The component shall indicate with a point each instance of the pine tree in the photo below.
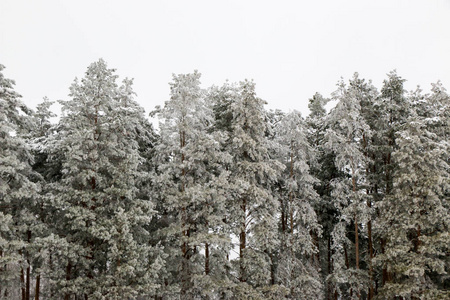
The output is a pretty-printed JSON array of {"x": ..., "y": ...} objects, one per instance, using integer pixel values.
[
  {"x": 298, "y": 266},
  {"x": 102, "y": 243},
  {"x": 415, "y": 219},
  {"x": 326, "y": 172},
  {"x": 347, "y": 138},
  {"x": 17, "y": 191},
  {"x": 252, "y": 209},
  {"x": 37, "y": 137},
  {"x": 46, "y": 242},
  {"x": 394, "y": 109},
  {"x": 390, "y": 111},
  {"x": 191, "y": 182}
]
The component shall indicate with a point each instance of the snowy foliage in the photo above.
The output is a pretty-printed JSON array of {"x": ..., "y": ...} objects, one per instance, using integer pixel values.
[{"x": 225, "y": 200}]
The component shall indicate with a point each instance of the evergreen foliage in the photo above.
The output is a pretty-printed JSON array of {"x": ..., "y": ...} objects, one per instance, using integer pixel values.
[
  {"x": 104, "y": 250},
  {"x": 191, "y": 183},
  {"x": 18, "y": 190},
  {"x": 415, "y": 214},
  {"x": 225, "y": 200},
  {"x": 298, "y": 266}
]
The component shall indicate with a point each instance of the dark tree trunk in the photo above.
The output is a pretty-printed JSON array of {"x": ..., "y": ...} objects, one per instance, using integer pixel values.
[
  {"x": 68, "y": 274},
  {"x": 27, "y": 282},
  {"x": 371, "y": 288},
  {"x": 329, "y": 267},
  {"x": 206, "y": 258},
  {"x": 356, "y": 244},
  {"x": 22, "y": 283},
  {"x": 37, "y": 291},
  {"x": 272, "y": 269},
  {"x": 242, "y": 242},
  {"x": 50, "y": 262}
]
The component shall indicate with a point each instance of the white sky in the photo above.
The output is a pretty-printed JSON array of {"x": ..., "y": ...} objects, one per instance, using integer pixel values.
[{"x": 290, "y": 48}]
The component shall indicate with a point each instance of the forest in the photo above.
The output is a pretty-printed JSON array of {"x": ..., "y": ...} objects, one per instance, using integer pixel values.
[{"x": 224, "y": 199}]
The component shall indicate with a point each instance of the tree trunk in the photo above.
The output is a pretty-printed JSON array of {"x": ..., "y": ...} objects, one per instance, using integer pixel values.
[
  {"x": 22, "y": 282},
  {"x": 329, "y": 267},
  {"x": 27, "y": 282},
  {"x": 357, "y": 251},
  {"x": 272, "y": 269},
  {"x": 356, "y": 243},
  {"x": 184, "y": 255},
  {"x": 283, "y": 217},
  {"x": 38, "y": 287},
  {"x": 50, "y": 262},
  {"x": 242, "y": 240},
  {"x": 68, "y": 270},
  {"x": 206, "y": 258},
  {"x": 371, "y": 288}
]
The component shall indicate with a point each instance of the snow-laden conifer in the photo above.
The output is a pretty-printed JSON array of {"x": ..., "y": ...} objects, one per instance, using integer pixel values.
[
  {"x": 105, "y": 251},
  {"x": 325, "y": 171},
  {"x": 18, "y": 191},
  {"x": 253, "y": 208},
  {"x": 415, "y": 216},
  {"x": 347, "y": 137},
  {"x": 298, "y": 267},
  {"x": 191, "y": 182}
]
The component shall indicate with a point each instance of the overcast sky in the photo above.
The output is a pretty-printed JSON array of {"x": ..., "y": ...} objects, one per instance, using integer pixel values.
[{"x": 291, "y": 49}]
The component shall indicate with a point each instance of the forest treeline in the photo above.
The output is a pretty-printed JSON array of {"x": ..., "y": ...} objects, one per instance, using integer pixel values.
[{"x": 226, "y": 200}]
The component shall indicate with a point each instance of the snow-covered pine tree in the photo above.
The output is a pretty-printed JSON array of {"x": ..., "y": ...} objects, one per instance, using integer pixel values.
[
  {"x": 17, "y": 192},
  {"x": 191, "y": 181},
  {"x": 253, "y": 208},
  {"x": 416, "y": 219},
  {"x": 104, "y": 248},
  {"x": 47, "y": 243},
  {"x": 37, "y": 137},
  {"x": 435, "y": 108},
  {"x": 390, "y": 111},
  {"x": 369, "y": 101},
  {"x": 347, "y": 137},
  {"x": 394, "y": 110},
  {"x": 298, "y": 267},
  {"x": 325, "y": 171}
]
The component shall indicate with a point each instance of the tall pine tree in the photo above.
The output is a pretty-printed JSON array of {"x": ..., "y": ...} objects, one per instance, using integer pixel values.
[
  {"x": 416, "y": 216},
  {"x": 347, "y": 137},
  {"x": 106, "y": 251},
  {"x": 298, "y": 266},
  {"x": 17, "y": 192},
  {"x": 252, "y": 206},
  {"x": 191, "y": 180}
]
